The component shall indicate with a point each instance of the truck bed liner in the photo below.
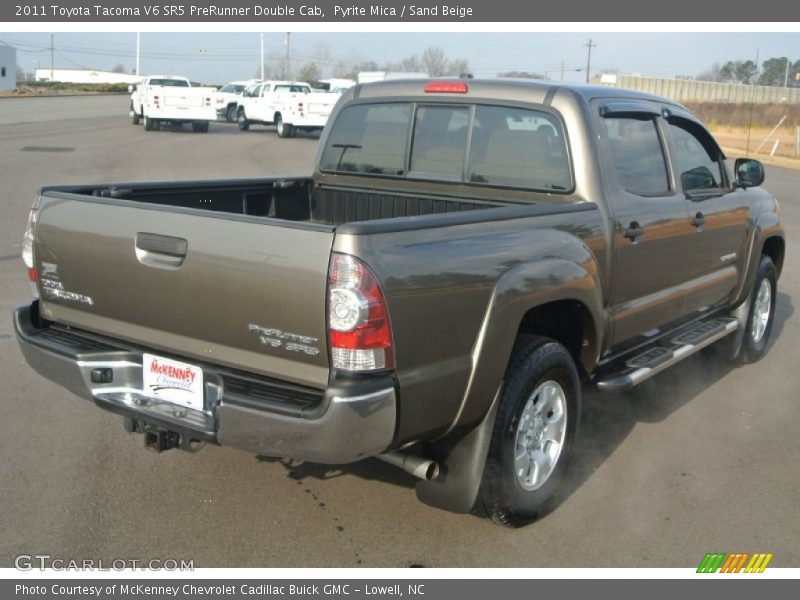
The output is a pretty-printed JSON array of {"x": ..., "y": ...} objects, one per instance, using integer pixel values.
[{"x": 288, "y": 199}]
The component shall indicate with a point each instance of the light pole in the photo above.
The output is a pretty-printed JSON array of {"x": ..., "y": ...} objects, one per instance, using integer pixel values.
[
  {"x": 589, "y": 45},
  {"x": 286, "y": 60},
  {"x": 786, "y": 75},
  {"x": 262, "y": 56},
  {"x": 138, "y": 46}
]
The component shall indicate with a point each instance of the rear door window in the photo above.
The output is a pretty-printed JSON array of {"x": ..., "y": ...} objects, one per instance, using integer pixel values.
[
  {"x": 638, "y": 154},
  {"x": 368, "y": 138}
]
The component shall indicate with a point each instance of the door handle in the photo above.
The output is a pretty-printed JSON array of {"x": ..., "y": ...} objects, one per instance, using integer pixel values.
[
  {"x": 634, "y": 232},
  {"x": 698, "y": 221},
  {"x": 160, "y": 251}
]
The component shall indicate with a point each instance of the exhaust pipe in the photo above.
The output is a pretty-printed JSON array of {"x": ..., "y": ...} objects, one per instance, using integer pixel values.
[{"x": 412, "y": 464}]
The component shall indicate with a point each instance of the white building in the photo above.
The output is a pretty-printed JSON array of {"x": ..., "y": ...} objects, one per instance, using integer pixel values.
[
  {"x": 371, "y": 76},
  {"x": 83, "y": 76},
  {"x": 8, "y": 67}
]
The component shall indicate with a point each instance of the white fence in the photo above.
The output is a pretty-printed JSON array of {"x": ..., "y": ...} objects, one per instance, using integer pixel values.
[
  {"x": 83, "y": 76},
  {"x": 689, "y": 90}
]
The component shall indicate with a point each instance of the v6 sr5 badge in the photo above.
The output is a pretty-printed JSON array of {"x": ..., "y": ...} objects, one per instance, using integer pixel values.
[{"x": 285, "y": 340}]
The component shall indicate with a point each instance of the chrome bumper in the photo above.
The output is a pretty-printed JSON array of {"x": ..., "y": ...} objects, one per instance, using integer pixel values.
[{"x": 352, "y": 421}]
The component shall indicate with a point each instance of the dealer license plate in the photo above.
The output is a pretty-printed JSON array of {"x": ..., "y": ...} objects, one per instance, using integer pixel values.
[{"x": 173, "y": 381}]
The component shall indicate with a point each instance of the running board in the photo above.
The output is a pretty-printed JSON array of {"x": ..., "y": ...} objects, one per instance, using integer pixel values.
[{"x": 635, "y": 372}]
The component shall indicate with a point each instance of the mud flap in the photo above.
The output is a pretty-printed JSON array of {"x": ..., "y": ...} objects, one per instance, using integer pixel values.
[
  {"x": 461, "y": 461},
  {"x": 731, "y": 346}
]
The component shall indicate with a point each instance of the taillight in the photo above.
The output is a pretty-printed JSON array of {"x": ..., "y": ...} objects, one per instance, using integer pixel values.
[
  {"x": 208, "y": 101},
  {"x": 27, "y": 249},
  {"x": 359, "y": 334}
]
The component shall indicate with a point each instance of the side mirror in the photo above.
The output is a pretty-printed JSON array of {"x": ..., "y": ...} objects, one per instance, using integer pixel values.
[{"x": 749, "y": 172}]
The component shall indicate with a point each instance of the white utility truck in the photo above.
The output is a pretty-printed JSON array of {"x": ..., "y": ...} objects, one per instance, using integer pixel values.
[
  {"x": 291, "y": 106},
  {"x": 170, "y": 99},
  {"x": 226, "y": 99}
]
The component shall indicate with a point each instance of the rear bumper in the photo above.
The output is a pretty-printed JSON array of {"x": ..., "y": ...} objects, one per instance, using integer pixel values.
[
  {"x": 310, "y": 121},
  {"x": 182, "y": 116},
  {"x": 350, "y": 421}
]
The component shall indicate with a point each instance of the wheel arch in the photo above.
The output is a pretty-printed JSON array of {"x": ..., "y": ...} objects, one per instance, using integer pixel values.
[
  {"x": 556, "y": 298},
  {"x": 775, "y": 247}
]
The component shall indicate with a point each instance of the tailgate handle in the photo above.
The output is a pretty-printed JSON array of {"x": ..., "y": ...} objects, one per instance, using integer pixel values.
[{"x": 160, "y": 251}]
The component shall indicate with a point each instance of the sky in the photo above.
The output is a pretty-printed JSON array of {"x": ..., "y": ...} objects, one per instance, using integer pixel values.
[{"x": 220, "y": 57}]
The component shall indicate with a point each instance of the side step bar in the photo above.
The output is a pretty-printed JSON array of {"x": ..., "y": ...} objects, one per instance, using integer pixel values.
[{"x": 656, "y": 359}]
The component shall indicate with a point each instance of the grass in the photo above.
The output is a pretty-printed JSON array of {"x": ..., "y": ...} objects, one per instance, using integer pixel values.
[
  {"x": 45, "y": 88},
  {"x": 731, "y": 124}
]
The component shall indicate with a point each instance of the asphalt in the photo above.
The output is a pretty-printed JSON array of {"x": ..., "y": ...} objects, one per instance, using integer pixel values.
[{"x": 702, "y": 458}]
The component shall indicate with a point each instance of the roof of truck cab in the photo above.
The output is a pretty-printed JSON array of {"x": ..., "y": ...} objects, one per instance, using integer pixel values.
[{"x": 501, "y": 89}]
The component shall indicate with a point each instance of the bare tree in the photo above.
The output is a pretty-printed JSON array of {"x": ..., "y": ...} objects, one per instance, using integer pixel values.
[
  {"x": 458, "y": 66},
  {"x": 522, "y": 75},
  {"x": 323, "y": 57},
  {"x": 434, "y": 61},
  {"x": 711, "y": 74},
  {"x": 119, "y": 68},
  {"x": 309, "y": 72},
  {"x": 410, "y": 64}
]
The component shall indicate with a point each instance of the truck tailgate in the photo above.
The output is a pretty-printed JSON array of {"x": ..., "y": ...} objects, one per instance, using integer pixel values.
[
  {"x": 183, "y": 101},
  {"x": 242, "y": 292},
  {"x": 321, "y": 104}
]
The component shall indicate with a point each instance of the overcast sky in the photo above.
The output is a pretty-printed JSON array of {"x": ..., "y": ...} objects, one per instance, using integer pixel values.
[{"x": 220, "y": 57}]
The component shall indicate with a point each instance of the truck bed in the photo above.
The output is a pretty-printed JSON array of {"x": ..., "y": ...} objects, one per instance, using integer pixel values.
[{"x": 293, "y": 199}]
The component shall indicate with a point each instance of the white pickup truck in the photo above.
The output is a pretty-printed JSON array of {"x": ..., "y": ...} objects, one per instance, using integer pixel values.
[
  {"x": 226, "y": 99},
  {"x": 169, "y": 99},
  {"x": 289, "y": 105}
]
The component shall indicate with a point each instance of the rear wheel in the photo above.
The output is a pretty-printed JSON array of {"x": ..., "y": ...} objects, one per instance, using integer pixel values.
[
  {"x": 149, "y": 124},
  {"x": 533, "y": 433},
  {"x": 230, "y": 115},
  {"x": 241, "y": 118},
  {"x": 200, "y": 126},
  {"x": 284, "y": 130}
]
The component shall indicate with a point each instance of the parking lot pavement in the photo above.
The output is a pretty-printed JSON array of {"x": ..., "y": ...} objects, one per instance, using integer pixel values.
[{"x": 702, "y": 458}]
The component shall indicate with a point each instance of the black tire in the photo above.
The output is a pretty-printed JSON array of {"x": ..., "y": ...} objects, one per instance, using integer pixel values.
[
  {"x": 200, "y": 126},
  {"x": 284, "y": 130},
  {"x": 230, "y": 114},
  {"x": 149, "y": 124},
  {"x": 536, "y": 361},
  {"x": 754, "y": 347},
  {"x": 241, "y": 118},
  {"x": 134, "y": 115}
]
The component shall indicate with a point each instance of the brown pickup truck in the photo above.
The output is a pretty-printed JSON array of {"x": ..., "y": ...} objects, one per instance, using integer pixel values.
[{"x": 466, "y": 256}]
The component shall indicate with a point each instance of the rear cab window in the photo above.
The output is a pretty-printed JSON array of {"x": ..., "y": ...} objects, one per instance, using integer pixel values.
[
  {"x": 170, "y": 82},
  {"x": 295, "y": 89},
  {"x": 368, "y": 139},
  {"x": 461, "y": 143}
]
